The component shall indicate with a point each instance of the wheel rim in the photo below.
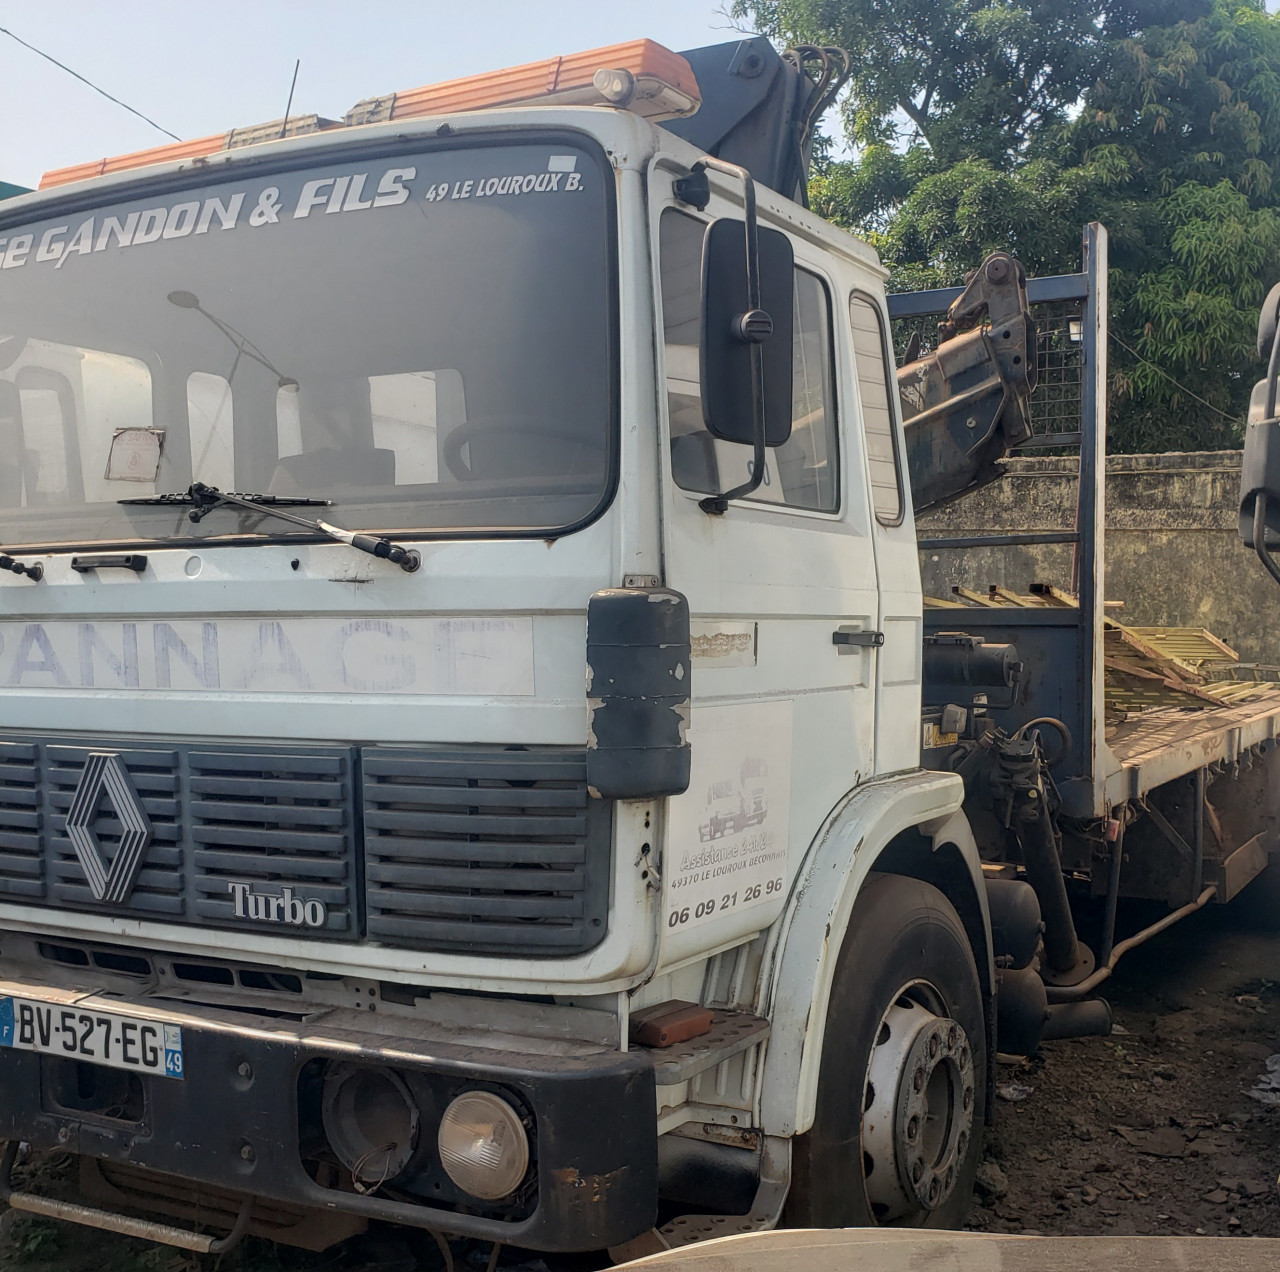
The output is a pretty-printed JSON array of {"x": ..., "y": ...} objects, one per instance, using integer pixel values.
[{"x": 918, "y": 1105}]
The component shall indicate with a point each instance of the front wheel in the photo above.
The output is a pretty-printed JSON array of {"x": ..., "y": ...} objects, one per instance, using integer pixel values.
[{"x": 902, "y": 1086}]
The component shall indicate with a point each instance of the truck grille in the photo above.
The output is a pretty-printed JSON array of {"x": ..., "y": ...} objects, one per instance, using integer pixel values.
[
  {"x": 267, "y": 818},
  {"x": 21, "y": 862},
  {"x": 271, "y": 820},
  {"x": 469, "y": 849},
  {"x": 485, "y": 849}
]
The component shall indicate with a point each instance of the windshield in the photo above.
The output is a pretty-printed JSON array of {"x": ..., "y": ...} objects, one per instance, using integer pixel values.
[{"x": 425, "y": 339}]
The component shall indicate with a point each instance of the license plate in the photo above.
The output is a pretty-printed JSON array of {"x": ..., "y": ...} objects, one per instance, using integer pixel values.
[{"x": 101, "y": 1037}]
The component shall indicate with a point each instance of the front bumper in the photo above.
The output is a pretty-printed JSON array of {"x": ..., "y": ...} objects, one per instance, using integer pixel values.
[{"x": 244, "y": 1118}]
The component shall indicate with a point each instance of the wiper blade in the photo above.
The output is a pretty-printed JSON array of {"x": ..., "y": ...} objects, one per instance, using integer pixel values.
[{"x": 204, "y": 499}]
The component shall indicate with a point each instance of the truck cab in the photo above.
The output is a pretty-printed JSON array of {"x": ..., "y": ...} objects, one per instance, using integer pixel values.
[{"x": 491, "y": 873}]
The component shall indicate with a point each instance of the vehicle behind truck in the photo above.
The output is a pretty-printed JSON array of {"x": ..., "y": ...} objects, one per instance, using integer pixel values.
[{"x": 474, "y": 752}]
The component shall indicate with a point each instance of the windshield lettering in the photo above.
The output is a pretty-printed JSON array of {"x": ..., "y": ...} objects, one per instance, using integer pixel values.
[{"x": 275, "y": 342}]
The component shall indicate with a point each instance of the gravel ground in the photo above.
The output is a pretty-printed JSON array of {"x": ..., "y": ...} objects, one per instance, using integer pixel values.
[{"x": 1153, "y": 1130}]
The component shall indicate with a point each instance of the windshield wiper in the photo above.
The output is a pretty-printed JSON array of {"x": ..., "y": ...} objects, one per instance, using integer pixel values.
[
  {"x": 204, "y": 499},
  {"x": 34, "y": 572}
]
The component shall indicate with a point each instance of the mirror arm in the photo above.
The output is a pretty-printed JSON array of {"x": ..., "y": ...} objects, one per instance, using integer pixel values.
[
  {"x": 1260, "y": 518},
  {"x": 716, "y": 505}
]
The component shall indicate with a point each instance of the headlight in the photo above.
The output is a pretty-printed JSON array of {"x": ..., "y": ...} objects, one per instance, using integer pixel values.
[
  {"x": 483, "y": 1145},
  {"x": 370, "y": 1120}
]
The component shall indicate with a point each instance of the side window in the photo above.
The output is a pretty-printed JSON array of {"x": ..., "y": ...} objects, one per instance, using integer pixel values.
[
  {"x": 875, "y": 383},
  {"x": 806, "y": 461},
  {"x": 804, "y": 471}
]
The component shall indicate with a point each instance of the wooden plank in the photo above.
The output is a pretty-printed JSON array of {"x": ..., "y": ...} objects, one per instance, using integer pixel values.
[
  {"x": 1236, "y": 690},
  {"x": 1051, "y": 595},
  {"x": 1192, "y": 645},
  {"x": 1176, "y": 691},
  {"x": 1149, "y": 736},
  {"x": 1172, "y": 666},
  {"x": 974, "y": 598},
  {"x": 1002, "y": 595}
]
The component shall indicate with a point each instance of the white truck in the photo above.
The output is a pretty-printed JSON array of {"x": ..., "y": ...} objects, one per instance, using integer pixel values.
[{"x": 406, "y": 525}]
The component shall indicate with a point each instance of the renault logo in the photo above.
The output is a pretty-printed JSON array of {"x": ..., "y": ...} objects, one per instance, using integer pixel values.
[{"x": 105, "y": 775}]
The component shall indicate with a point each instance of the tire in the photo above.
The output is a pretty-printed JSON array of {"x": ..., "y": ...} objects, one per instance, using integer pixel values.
[{"x": 904, "y": 979}]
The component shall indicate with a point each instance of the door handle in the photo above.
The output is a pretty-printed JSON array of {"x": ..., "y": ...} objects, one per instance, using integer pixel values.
[
  {"x": 847, "y": 639},
  {"x": 134, "y": 561}
]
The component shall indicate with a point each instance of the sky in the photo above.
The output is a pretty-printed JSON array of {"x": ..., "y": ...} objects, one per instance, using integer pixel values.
[{"x": 198, "y": 69}]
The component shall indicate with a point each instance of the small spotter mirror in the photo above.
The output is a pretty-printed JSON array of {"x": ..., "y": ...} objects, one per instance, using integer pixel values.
[
  {"x": 1267, "y": 321},
  {"x": 1260, "y": 464}
]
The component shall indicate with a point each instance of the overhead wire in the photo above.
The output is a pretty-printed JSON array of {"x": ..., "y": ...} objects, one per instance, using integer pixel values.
[
  {"x": 1235, "y": 419},
  {"x": 62, "y": 67}
]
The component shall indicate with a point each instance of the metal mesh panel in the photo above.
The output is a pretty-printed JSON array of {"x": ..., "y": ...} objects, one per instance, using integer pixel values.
[{"x": 1056, "y": 405}]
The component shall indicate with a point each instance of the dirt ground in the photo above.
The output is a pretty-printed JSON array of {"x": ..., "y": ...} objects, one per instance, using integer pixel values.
[
  {"x": 1153, "y": 1130},
  {"x": 1150, "y": 1131}
]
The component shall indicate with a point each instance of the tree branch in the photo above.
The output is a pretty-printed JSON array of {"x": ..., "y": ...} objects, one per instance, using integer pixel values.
[{"x": 918, "y": 116}]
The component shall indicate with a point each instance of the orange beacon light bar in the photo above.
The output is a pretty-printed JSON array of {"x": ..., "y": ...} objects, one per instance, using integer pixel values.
[{"x": 639, "y": 75}]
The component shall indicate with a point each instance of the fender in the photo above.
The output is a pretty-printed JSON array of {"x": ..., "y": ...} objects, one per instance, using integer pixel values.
[{"x": 801, "y": 958}]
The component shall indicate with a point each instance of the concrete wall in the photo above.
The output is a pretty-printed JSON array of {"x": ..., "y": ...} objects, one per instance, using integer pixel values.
[{"x": 1173, "y": 555}]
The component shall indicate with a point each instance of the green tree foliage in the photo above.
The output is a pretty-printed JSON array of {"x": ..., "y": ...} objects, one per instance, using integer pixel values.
[
  {"x": 1010, "y": 123},
  {"x": 965, "y": 78}
]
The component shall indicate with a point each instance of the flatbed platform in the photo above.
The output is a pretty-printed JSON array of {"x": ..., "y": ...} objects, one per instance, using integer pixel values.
[{"x": 1159, "y": 746}]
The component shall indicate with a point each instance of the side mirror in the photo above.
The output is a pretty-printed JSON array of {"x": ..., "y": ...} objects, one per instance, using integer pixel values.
[
  {"x": 1260, "y": 470},
  {"x": 1260, "y": 466},
  {"x": 1267, "y": 320},
  {"x": 731, "y": 326}
]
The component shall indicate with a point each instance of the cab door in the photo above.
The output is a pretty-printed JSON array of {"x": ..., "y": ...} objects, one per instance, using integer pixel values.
[{"x": 782, "y": 592}]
